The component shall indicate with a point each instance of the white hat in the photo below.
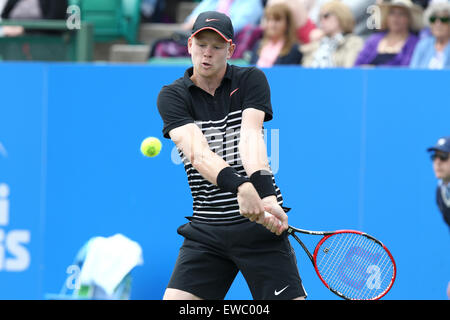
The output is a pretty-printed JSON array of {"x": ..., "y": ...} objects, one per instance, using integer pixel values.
[{"x": 414, "y": 10}]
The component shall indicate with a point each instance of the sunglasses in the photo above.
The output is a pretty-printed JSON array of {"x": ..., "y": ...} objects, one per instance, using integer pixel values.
[
  {"x": 325, "y": 15},
  {"x": 433, "y": 19},
  {"x": 442, "y": 157}
]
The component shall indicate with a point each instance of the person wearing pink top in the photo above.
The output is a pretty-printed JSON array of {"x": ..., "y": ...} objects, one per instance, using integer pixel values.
[{"x": 279, "y": 43}]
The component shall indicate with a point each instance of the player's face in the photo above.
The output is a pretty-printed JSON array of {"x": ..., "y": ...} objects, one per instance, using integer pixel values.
[
  {"x": 442, "y": 167},
  {"x": 209, "y": 53}
]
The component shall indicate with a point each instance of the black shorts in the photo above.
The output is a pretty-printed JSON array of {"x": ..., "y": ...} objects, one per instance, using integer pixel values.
[{"x": 212, "y": 255}]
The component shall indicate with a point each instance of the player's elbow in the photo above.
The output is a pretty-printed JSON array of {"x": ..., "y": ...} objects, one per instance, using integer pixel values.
[{"x": 253, "y": 153}]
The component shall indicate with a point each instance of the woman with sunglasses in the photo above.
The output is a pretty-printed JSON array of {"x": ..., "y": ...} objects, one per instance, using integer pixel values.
[
  {"x": 394, "y": 45},
  {"x": 433, "y": 52},
  {"x": 338, "y": 46}
]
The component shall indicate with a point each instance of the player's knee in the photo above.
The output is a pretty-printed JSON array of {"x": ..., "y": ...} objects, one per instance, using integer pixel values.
[{"x": 176, "y": 294}]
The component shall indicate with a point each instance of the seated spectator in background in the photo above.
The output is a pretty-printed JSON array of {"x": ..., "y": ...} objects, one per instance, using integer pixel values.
[
  {"x": 360, "y": 12},
  {"x": 303, "y": 24},
  {"x": 241, "y": 12},
  {"x": 279, "y": 43},
  {"x": 338, "y": 47},
  {"x": 394, "y": 46},
  {"x": 31, "y": 10},
  {"x": 433, "y": 52}
]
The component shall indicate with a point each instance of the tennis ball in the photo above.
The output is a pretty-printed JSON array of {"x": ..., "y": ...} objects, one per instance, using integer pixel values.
[{"x": 151, "y": 146}]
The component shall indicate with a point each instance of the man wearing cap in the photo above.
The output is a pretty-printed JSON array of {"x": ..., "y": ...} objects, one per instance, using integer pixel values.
[
  {"x": 440, "y": 154},
  {"x": 215, "y": 115}
]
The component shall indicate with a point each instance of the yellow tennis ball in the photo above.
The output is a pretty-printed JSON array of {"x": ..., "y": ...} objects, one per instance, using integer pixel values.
[{"x": 151, "y": 146}]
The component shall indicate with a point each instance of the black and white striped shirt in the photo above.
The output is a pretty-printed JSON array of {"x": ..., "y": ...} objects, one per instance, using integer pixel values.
[{"x": 219, "y": 117}]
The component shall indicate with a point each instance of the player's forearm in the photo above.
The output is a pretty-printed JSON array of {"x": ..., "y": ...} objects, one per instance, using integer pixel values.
[
  {"x": 191, "y": 141},
  {"x": 208, "y": 164},
  {"x": 256, "y": 164},
  {"x": 252, "y": 150},
  {"x": 214, "y": 169}
]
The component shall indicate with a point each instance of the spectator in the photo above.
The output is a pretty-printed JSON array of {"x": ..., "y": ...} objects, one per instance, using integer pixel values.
[
  {"x": 279, "y": 44},
  {"x": 433, "y": 52},
  {"x": 393, "y": 46},
  {"x": 360, "y": 12},
  {"x": 303, "y": 24},
  {"x": 338, "y": 47},
  {"x": 241, "y": 12},
  {"x": 31, "y": 10}
]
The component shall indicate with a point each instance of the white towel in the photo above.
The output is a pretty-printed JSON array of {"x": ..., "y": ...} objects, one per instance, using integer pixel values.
[{"x": 109, "y": 260}]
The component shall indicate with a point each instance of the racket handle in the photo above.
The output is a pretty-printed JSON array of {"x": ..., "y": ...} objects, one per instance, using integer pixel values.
[{"x": 267, "y": 215}]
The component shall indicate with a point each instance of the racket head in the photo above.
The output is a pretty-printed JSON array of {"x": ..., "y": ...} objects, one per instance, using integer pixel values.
[{"x": 354, "y": 265}]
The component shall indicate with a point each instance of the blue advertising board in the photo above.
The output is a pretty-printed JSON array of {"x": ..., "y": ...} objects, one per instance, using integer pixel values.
[
  {"x": 22, "y": 180},
  {"x": 347, "y": 148}
]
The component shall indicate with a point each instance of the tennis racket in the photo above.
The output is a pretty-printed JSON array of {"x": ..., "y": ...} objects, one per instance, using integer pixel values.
[{"x": 351, "y": 264}]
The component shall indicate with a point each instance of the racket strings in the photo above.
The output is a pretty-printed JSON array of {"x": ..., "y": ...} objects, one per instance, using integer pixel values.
[
  {"x": 386, "y": 267},
  {"x": 361, "y": 268},
  {"x": 329, "y": 268},
  {"x": 361, "y": 285},
  {"x": 339, "y": 245},
  {"x": 354, "y": 265},
  {"x": 354, "y": 279},
  {"x": 339, "y": 253}
]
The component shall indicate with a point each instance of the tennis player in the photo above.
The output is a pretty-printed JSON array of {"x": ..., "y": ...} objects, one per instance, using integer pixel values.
[{"x": 214, "y": 115}]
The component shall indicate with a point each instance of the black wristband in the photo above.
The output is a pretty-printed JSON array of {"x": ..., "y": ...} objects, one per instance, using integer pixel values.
[
  {"x": 262, "y": 181},
  {"x": 229, "y": 179}
]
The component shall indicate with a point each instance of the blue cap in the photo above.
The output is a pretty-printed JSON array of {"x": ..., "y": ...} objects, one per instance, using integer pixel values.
[{"x": 443, "y": 144}]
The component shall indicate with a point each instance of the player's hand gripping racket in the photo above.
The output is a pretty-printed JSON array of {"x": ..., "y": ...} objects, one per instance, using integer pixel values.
[{"x": 352, "y": 264}]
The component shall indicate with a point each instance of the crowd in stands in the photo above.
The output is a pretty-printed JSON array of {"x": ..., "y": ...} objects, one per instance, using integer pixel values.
[
  {"x": 332, "y": 33},
  {"x": 311, "y": 33}
]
